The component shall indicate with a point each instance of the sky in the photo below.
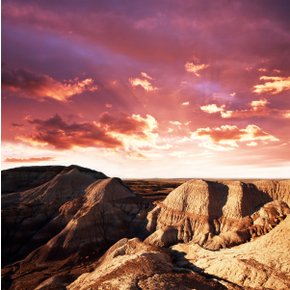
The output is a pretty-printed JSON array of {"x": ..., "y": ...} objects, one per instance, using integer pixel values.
[{"x": 143, "y": 89}]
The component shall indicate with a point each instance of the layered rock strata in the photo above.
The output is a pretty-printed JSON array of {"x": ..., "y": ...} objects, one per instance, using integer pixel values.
[{"x": 216, "y": 214}]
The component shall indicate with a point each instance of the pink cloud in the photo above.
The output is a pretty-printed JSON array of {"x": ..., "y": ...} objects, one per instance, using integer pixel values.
[
  {"x": 195, "y": 68},
  {"x": 119, "y": 43},
  {"x": 228, "y": 137},
  {"x": 257, "y": 108},
  {"x": 212, "y": 108},
  {"x": 144, "y": 82}
]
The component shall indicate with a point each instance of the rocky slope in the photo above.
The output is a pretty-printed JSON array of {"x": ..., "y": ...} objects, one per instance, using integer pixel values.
[
  {"x": 131, "y": 264},
  {"x": 30, "y": 218},
  {"x": 107, "y": 212},
  {"x": 217, "y": 214}
]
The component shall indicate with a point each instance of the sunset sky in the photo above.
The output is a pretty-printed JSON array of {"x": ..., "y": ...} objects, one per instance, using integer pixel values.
[{"x": 148, "y": 88}]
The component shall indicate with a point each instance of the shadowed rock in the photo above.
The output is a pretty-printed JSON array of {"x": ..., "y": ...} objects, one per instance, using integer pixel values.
[{"x": 30, "y": 218}]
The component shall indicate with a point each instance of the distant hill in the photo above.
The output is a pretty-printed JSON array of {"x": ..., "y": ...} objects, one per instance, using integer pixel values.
[{"x": 26, "y": 177}]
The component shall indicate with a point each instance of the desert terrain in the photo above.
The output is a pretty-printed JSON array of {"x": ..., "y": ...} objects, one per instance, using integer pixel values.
[{"x": 76, "y": 228}]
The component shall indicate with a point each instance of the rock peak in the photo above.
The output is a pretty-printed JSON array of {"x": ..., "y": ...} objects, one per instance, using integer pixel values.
[{"x": 109, "y": 189}]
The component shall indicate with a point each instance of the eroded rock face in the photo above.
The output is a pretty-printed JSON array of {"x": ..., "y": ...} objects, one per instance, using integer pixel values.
[
  {"x": 262, "y": 263},
  {"x": 216, "y": 214},
  {"x": 131, "y": 264}
]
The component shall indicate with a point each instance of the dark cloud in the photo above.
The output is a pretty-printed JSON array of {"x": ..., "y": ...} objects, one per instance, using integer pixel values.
[
  {"x": 162, "y": 31},
  {"x": 17, "y": 125},
  {"x": 39, "y": 86},
  {"x": 58, "y": 133},
  {"x": 61, "y": 135},
  {"x": 22, "y": 79}
]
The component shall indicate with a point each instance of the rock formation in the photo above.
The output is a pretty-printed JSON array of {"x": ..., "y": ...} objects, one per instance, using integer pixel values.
[{"x": 216, "y": 214}]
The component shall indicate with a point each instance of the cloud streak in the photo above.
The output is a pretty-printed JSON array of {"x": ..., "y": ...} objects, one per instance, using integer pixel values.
[
  {"x": 28, "y": 160},
  {"x": 272, "y": 85},
  {"x": 257, "y": 108}
]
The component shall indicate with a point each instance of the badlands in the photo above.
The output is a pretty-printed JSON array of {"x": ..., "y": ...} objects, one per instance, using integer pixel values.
[{"x": 75, "y": 228}]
